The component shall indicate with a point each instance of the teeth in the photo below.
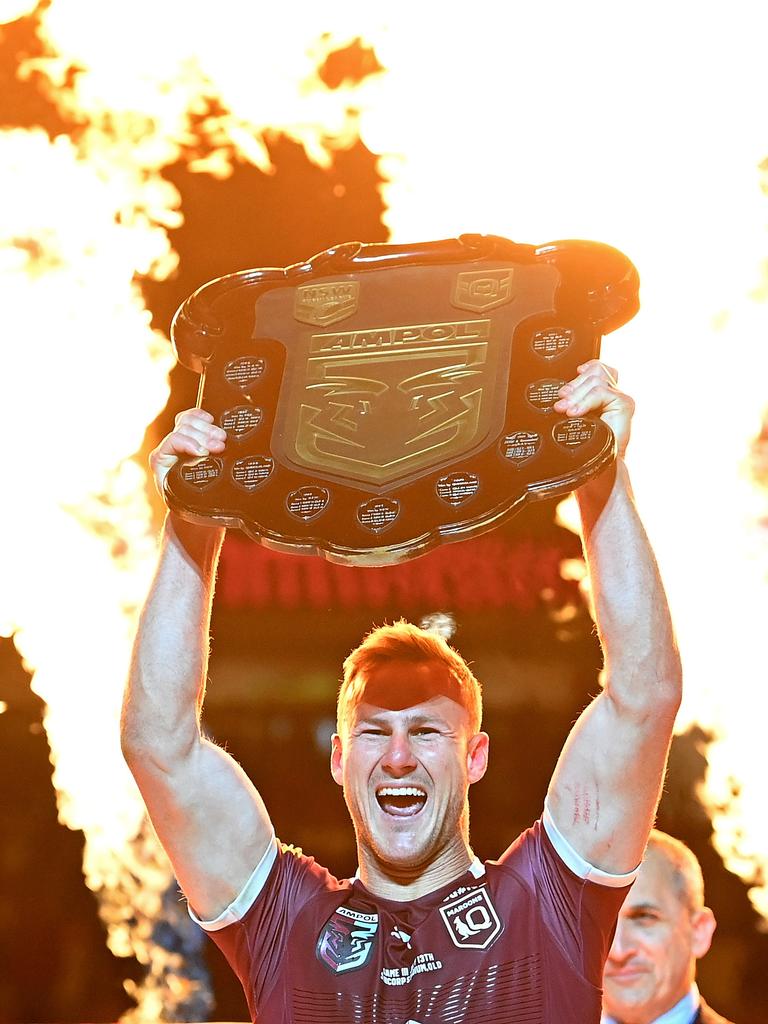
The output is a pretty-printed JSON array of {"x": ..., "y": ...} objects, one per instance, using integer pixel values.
[{"x": 401, "y": 791}]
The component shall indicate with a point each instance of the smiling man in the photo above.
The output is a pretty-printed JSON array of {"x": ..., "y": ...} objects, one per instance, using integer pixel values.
[
  {"x": 663, "y": 929},
  {"x": 425, "y": 932}
]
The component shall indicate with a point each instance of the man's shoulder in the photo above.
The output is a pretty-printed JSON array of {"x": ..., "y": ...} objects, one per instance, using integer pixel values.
[
  {"x": 292, "y": 879},
  {"x": 294, "y": 867},
  {"x": 707, "y": 1015}
]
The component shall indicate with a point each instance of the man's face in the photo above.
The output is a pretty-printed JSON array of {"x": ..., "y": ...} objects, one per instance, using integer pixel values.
[
  {"x": 652, "y": 962},
  {"x": 406, "y": 768}
]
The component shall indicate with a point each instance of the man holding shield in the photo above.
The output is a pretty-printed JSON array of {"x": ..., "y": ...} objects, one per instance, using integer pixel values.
[{"x": 424, "y": 931}]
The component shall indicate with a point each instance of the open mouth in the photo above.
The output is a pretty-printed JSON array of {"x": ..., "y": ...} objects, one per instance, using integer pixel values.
[{"x": 401, "y": 801}]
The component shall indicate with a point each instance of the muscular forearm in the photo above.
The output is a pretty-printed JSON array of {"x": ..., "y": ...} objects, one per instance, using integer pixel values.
[
  {"x": 170, "y": 655},
  {"x": 642, "y": 662}
]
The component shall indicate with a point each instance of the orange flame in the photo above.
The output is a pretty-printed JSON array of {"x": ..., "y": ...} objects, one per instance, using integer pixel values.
[{"x": 85, "y": 373}]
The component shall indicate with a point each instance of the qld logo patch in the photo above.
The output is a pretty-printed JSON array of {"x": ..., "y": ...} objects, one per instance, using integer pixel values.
[
  {"x": 347, "y": 939},
  {"x": 471, "y": 920}
]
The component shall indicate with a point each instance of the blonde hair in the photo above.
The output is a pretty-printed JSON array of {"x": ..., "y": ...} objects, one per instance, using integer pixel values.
[
  {"x": 684, "y": 868},
  {"x": 405, "y": 642}
]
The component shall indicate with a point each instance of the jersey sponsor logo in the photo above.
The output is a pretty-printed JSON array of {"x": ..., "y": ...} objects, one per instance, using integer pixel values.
[
  {"x": 346, "y": 941},
  {"x": 471, "y": 920}
]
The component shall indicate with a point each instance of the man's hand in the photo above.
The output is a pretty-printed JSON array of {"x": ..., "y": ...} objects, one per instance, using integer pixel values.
[
  {"x": 195, "y": 434},
  {"x": 596, "y": 390}
]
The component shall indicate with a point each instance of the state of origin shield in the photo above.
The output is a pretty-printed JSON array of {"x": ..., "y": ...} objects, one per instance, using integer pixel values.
[{"x": 380, "y": 400}]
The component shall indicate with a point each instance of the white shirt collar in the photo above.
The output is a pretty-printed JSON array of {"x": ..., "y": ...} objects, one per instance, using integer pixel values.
[{"x": 681, "y": 1013}]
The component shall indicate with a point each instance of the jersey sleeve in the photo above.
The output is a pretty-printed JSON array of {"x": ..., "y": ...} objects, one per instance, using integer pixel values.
[
  {"x": 252, "y": 933},
  {"x": 576, "y": 862},
  {"x": 244, "y": 900},
  {"x": 578, "y": 904}
]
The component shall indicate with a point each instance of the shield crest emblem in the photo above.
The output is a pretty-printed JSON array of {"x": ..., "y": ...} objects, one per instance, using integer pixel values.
[
  {"x": 471, "y": 920},
  {"x": 346, "y": 941},
  {"x": 484, "y": 289},
  {"x": 381, "y": 400},
  {"x": 380, "y": 414},
  {"x": 325, "y": 304}
]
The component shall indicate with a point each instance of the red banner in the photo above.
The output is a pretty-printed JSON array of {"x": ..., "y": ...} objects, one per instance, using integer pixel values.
[{"x": 484, "y": 573}]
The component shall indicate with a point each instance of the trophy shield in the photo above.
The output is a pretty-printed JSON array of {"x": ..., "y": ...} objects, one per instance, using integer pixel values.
[{"x": 380, "y": 400}]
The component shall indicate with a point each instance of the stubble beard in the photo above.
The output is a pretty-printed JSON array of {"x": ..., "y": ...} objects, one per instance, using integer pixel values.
[{"x": 426, "y": 848}]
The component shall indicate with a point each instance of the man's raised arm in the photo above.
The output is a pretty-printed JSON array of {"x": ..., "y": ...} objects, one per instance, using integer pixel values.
[
  {"x": 206, "y": 812},
  {"x": 606, "y": 786}
]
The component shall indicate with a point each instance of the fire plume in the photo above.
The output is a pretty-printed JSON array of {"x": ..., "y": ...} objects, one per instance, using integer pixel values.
[{"x": 85, "y": 373}]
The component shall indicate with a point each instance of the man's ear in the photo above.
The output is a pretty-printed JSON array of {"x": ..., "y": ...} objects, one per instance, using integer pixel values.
[
  {"x": 703, "y": 925},
  {"x": 477, "y": 756},
  {"x": 337, "y": 760}
]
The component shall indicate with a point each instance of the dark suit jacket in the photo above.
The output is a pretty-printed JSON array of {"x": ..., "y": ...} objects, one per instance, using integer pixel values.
[{"x": 707, "y": 1015}]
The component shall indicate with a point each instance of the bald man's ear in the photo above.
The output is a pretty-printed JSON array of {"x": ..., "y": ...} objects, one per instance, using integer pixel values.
[{"x": 703, "y": 924}]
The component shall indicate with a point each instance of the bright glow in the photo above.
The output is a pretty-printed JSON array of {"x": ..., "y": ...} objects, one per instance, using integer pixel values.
[
  {"x": 562, "y": 120},
  {"x": 84, "y": 373},
  {"x": 258, "y": 69},
  {"x": 11, "y": 10}
]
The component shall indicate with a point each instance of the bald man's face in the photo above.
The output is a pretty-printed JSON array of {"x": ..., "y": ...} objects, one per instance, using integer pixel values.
[{"x": 652, "y": 962}]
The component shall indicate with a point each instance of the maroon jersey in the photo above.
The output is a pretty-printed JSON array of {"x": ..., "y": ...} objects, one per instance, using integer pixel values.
[{"x": 522, "y": 939}]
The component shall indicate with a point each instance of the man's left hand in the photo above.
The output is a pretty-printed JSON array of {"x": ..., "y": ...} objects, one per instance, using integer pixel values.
[{"x": 596, "y": 390}]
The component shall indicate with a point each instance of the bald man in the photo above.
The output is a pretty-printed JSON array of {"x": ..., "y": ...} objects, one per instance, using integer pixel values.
[{"x": 663, "y": 929}]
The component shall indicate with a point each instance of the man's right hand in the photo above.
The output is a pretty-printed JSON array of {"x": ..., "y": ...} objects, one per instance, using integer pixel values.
[{"x": 195, "y": 434}]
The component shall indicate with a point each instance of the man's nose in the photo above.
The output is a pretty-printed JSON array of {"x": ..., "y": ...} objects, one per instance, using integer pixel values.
[
  {"x": 398, "y": 758},
  {"x": 623, "y": 944}
]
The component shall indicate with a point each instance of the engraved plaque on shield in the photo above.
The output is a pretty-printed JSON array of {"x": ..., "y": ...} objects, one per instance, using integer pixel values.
[
  {"x": 552, "y": 342},
  {"x": 542, "y": 394},
  {"x": 200, "y": 474},
  {"x": 378, "y": 514},
  {"x": 521, "y": 446},
  {"x": 574, "y": 433},
  {"x": 241, "y": 421},
  {"x": 244, "y": 371},
  {"x": 381, "y": 400},
  {"x": 456, "y": 488},
  {"x": 252, "y": 472},
  {"x": 307, "y": 503}
]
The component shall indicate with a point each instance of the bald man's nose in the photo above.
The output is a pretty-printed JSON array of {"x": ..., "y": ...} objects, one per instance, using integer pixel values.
[{"x": 623, "y": 944}]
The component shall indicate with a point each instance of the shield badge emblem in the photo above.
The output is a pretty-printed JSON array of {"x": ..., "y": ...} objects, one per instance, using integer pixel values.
[
  {"x": 346, "y": 941},
  {"x": 471, "y": 920},
  {"x": 484, "y": 289},
  {"x": 377, "y": 406},
  {"x": 380, "y": 400},
  {"x": 325, "y": 304}
]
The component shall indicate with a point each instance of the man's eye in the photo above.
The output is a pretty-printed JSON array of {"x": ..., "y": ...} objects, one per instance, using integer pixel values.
[
  {"x": 646, "y": 919},
  {"x": 370, "y": 731},
  {"x": 425, "y": 731}
]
